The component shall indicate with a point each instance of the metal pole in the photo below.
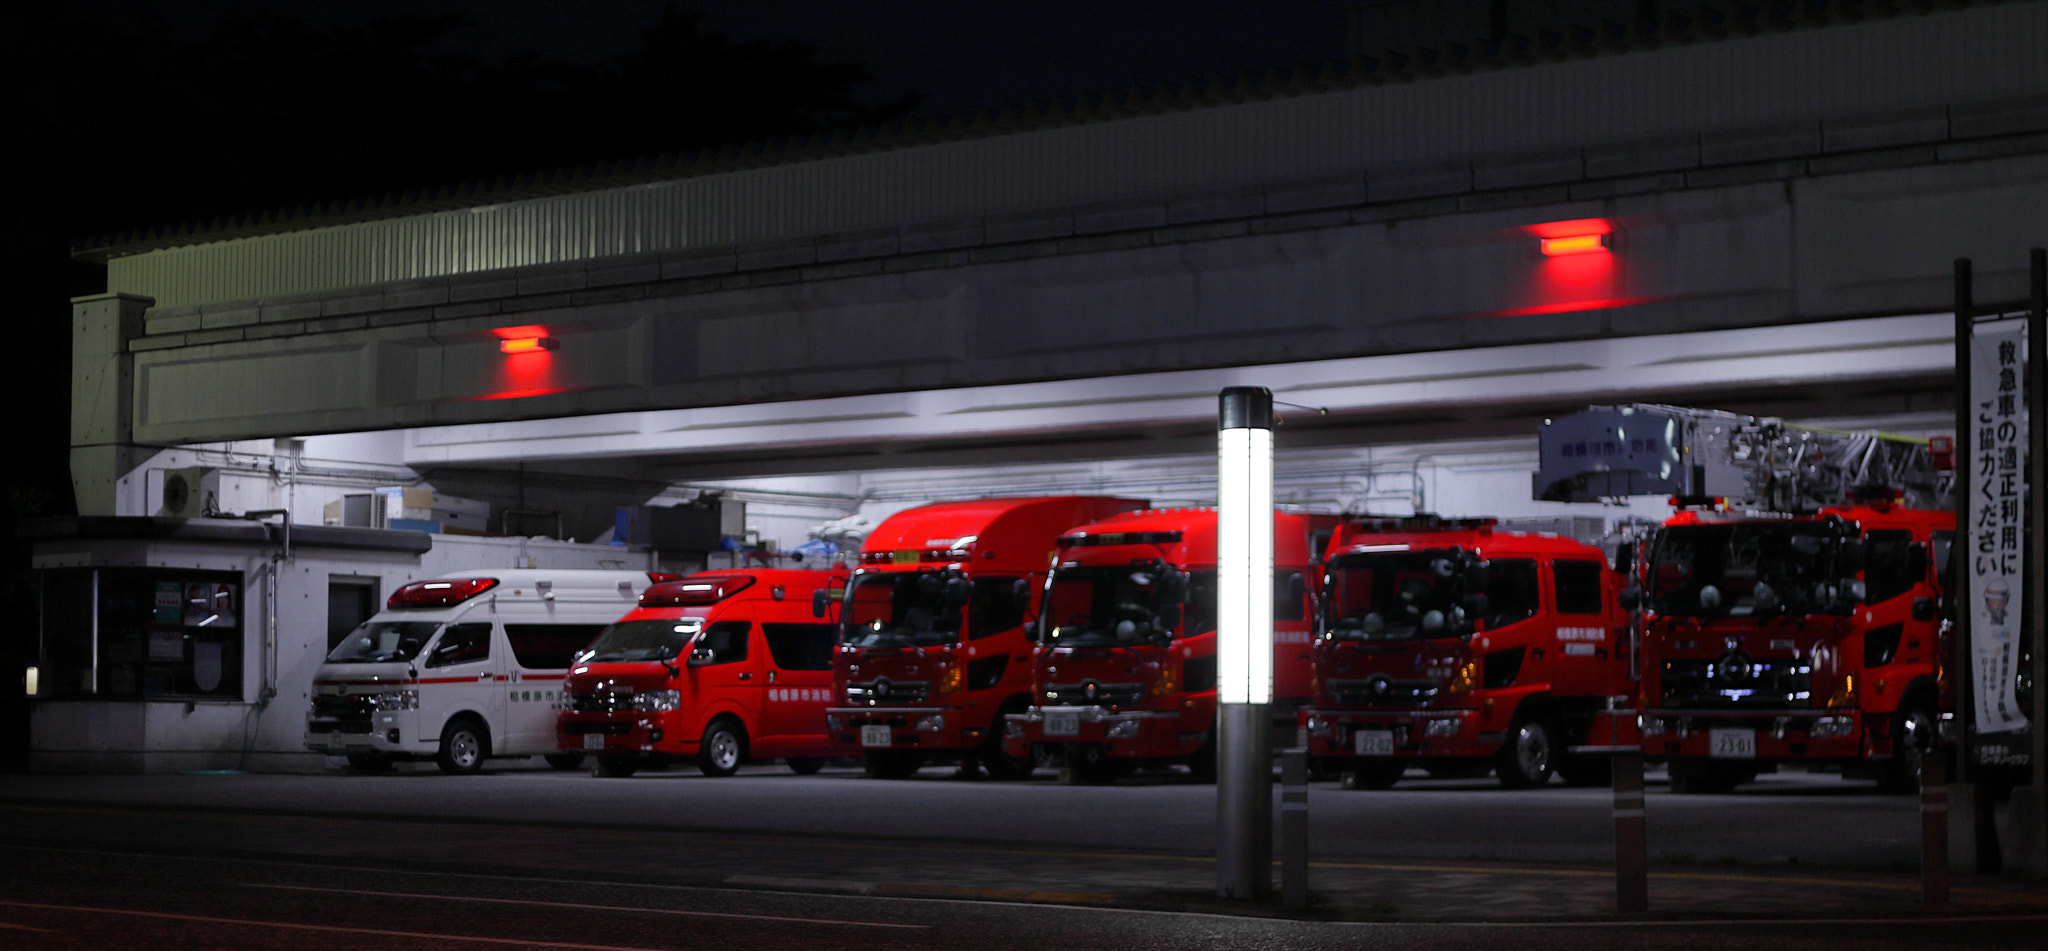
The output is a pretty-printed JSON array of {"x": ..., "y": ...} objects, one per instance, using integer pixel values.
[
  {"x": 1244, "y": 643},
  {"x": 1960, "y": 667},
  {"x": 1934, "y": 828},
  {"x": 2037, "y": 506},
  {"x": 1294, "y": 828},
  {"x": 1631, "y": 835}
]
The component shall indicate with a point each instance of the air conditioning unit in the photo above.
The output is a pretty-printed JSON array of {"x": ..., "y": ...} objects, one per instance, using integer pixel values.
[{"x": 190, "y": 492}]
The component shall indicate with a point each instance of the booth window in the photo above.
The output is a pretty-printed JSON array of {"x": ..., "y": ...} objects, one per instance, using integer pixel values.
[{"x": 142, "y": 633}]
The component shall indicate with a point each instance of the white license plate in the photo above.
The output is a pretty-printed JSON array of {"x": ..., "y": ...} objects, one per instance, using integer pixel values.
[
  {"x": 593, "y": 741},
  {"x": 1062, "y": 724},
  {"x": 876, "y": 736},
  {"x": 1731, "y": 744},
  {"x": 1373, "y": 743},
  {"x": 335, "y": 741}
]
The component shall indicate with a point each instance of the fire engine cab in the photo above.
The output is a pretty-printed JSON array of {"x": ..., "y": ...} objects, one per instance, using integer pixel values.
[{"x": 1450, "y": 645}]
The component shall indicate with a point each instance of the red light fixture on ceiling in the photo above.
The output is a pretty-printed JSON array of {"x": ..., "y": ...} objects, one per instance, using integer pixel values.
[
  {"x": 526, "y": 344},
  {"x": 1574, "y": 244},
  {"x": 1577, "y": 236},
  {"x": 529, "y": 338}
]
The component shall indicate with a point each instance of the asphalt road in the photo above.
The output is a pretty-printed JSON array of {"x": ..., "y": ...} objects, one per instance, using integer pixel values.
[
  {"x": 62, "y": 898},
  {"x": 1790, "y": 818}
]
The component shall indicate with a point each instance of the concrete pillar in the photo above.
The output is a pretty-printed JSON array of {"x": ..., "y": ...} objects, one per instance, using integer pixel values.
[{"x": 103, "y": 398}]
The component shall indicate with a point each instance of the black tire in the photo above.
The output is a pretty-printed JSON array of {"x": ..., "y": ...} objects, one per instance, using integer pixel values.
[
  {"x": 1529, "y": 755},
  {"x": 615, "y": 767},
  {"x": 805, "y": 765},
  {"x": 1373, "y": 774},
  {"x": 723, "y": 748},
  {"x": 1913, "y": 740},
  {"x": 371, "y": 764},
  {"x": 563, "y": 760},
  {"x": 465, "y": 744},
  {"x": 1202, "y": 762},
  {"x": 892, "y": 764},
  {"x": 999, "y": 764}
]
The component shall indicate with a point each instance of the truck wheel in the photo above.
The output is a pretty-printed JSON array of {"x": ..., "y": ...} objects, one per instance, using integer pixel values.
[
  {"x": 1912, "y": 741},
  {"x": 1202, "y": 762},
  {"x": 563, "y": 760},
  {"x": 615, "y": 767},
  {"x": 464, "y": 745},
  {"x": 805, "y": 765},
  {"x": 1529, "y": 755},
  {"x": 723, "y": 747},
  {"x": 370, "y": 764},
  {"x": 1373, "y": 774},
  {"x": 892, "y": 764}
]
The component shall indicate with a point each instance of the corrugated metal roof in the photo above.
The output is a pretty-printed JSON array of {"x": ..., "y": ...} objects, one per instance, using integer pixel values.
[{"x": 1560, "y": 92}]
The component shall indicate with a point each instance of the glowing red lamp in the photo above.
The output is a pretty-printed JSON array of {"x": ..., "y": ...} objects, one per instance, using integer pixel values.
[
  {"x": 526, "y": 344},
  {"x": 1574, "y": 244}
]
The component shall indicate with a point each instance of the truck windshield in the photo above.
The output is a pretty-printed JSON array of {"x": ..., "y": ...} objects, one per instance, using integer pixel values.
[
  {"x": 1395, "y": 596},
  {"x": 1743, "y": 569},
  {"x": 1119, "y": 605},
  {"x": 629, "y": 641},
  {"x": 379, "y": 642},
  {"x": 902, "y": 609}
]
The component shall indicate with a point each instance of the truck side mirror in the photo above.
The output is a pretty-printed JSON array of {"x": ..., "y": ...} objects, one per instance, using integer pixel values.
[
  {"x": 1173, "y": 587},
  {"x": 1630, "y": 598},
  {"x": 1020, "y": 592},
  {"x": 1850, "y": 557},
  {"x": 1923, "y": 609},
  {"x": 1624, "y": 557},
  {"x": 1169, "y": 618},
  {"x": 821, "y": 602},
  {"x": 702, "y": 657},
  {"x": 1476, "y": 606},
  {"x": 1478, "y": 575},
  {"x": 956, "y": 591}
]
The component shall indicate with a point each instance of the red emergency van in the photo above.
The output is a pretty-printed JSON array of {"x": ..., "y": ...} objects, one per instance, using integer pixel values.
[{"x": 721, "y": 666}]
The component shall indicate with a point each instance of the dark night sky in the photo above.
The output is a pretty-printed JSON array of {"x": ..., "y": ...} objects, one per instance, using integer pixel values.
[{"x": 960, "y": 53}]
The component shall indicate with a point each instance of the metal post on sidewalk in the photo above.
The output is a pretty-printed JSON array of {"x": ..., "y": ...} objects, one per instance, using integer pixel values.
[
  {"x": 1631, "y": 835},
  {"x": 1244, "y": 643},
  {"x": 1934, "y": 827},
  {"x": 1294, "y": 828}
]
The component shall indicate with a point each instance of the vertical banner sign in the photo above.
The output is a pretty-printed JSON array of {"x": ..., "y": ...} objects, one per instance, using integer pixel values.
[{"x": 1997, "y": 510}]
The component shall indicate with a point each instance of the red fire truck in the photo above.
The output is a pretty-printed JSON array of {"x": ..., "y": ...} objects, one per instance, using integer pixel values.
[
  {"x": 1126, "y": 657},
  {"x": 719, "y": 666},
  {"x": 932, "y": 649},
  {"x": 1453, "y": 646},
  {"x": 1792, "y": 610}
]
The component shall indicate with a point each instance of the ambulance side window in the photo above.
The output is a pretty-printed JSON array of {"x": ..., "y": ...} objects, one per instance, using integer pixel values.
[
  {"x": 1577, "y": 586},
  {"x": 799, "y": 646},
  {"x": 726, "y": 640},
  {"x": 462, "y": 644}
]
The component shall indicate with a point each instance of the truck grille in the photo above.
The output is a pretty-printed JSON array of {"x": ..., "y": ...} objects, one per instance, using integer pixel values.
[
  {"x": 1733, "y": 681},
  {"x": 1383, "y": 692},
  {"x": 883, "y": 692},
  {"x": 600, "y": 703},
  {"x": 340, "y": 713},
  {"x": 1107, "y": 695}
]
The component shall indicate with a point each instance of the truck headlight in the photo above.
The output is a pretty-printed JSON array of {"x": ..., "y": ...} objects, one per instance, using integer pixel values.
[
  {"x": 931, "y": 724},
  {"x": 1122, "y": 730},
  {"x": 1443, "y": 727},
  {"x": 396, "y": 700},
  {"x": 1013, "y": 727},
  {"x": 1649, "y": 726},
  {"x": 1827, "y": 727},
  {"x": 658, "y": 701}
]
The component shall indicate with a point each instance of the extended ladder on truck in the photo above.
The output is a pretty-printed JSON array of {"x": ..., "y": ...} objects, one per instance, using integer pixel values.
[{"x": 1753, "y": 463}]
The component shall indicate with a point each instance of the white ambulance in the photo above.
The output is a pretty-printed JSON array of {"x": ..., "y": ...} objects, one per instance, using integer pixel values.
[{"x": 464, "y": 668}]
